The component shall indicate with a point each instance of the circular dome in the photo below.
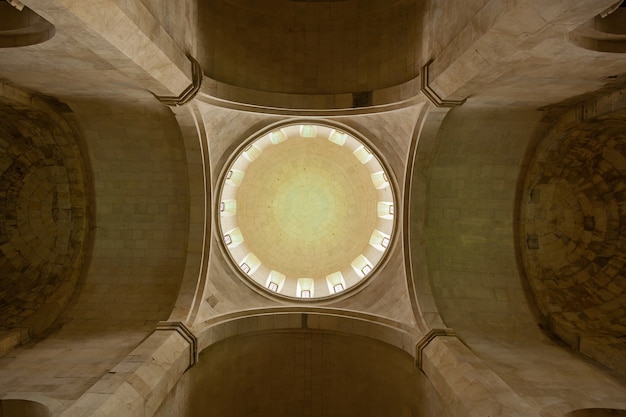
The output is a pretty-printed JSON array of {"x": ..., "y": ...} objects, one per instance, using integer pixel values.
[
  {"x": 43, "y": 213},
  {"x": 306, "y": 211},
  {"x": 572, "y": 224}
]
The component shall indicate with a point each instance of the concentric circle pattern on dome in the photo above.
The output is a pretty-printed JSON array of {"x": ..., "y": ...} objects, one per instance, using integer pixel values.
[
  {"x": 573, "y": 228},
  {"x": 306, "y": 211},
  {"x": 43, "y": 214}
]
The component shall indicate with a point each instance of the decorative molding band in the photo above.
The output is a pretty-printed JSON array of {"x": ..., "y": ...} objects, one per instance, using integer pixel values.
[
  {"x": 428, "y": 337},
  {"x": 184, "y": 331},
  {"x": 188, "y": 93},
  {"x": 431, "y": 94}
]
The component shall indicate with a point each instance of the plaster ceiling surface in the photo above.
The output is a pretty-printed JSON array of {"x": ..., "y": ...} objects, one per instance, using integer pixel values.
[
  {"x": 314, "y": 202},
  {"x": 309, "y": 47},
  {"x": 306, "y": 207}
]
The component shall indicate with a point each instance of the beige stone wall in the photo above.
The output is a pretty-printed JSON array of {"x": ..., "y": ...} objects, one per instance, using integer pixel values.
[
  {"x": 470, "y": 222},
  {"x": 309, "y": 47},
  {"x": 137, "y": 261},
  {"x": 476, "y": 280},
  {"x": 304, "y": 373}
]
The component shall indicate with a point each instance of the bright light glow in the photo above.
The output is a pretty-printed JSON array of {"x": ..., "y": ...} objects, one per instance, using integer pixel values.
[
  {"x": 363, "y": 154},
  {"x": 304, "y": 287},
  {"x": 308, "y": 131},
  {"x": 380, "y": 180},
  {"x": 379, "y": 240},
  {"x": 234, "y": 177},
  {"x": 233, "y": 238},
  {"x": 275, "y": 281},
  {"x": 385, "y": 210},
  {"x": 337, "y": 137},
  {"x": 362, "y": 266},
  {"x": 252, "y": 152},
  {"x": 252, "y": 263},
  {"x": 277, "y": 137},
  {"x": 228, "y": 208},
  {"x": 335, "y": 282}
]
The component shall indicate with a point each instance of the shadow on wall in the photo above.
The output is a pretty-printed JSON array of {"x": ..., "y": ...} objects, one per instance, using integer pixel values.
[
  {"x": 22, "y": 27},
  {"x": 597, "y": 412},
  {"x": 303, "y": 373},
  {"x": 23, "y": 408}
]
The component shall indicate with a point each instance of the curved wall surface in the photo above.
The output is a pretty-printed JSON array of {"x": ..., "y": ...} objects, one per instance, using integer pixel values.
[
  {"x": 44, "y": 213},
  {"x": 303, "y": 373}
]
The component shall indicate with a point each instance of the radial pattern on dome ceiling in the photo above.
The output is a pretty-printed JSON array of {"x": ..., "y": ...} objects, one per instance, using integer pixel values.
[{"x": 306, "y": 211}]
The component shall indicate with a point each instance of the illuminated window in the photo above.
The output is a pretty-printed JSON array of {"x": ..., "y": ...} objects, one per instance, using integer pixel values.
[
  {"x": 234, "y": 177},
  {"x": 251, "y": 153},
  {"x": 337, "y": 137},
  {"x": 308, "y": 131},
  {"x": 363, "y": 154},
  {"x": 277, "y": 137},
  {"x": 275, "y": 281},
  {"x": 228, "y": 208},
  {"x": 380, "y": 180},
  {"x": 250, "y": 263},
  {"x": 362, "y": 266},
  {"x": 304, "y": 288},
  {"x": 379, "y": 240},
  {"x": 335, "y": 282},
  {"x": 385, "y": 210},
  {"x": 233, "y": 238}
]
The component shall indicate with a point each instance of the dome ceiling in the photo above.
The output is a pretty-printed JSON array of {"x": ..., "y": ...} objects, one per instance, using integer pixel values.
[
  {"x": 306, "y": 208},
  {"x": 43, "y": 216},
  {"x": 573, "y": 223}
]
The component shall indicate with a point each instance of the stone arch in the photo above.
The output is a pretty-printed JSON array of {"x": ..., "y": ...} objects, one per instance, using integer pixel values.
[
  {"x": 420, "y": 156},
  {"x": 289, "y": 372},
  {"x": 596, "y": 412},
  {"x": 293, "y": 318}
]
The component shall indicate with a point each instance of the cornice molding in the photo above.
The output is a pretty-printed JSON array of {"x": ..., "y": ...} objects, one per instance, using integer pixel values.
[
  {"x": 431, "y": 94},
  {"x": 181, "y": 329},
  {"x": 429, "y": 337},
  {"x": 188, "y": 93}
]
